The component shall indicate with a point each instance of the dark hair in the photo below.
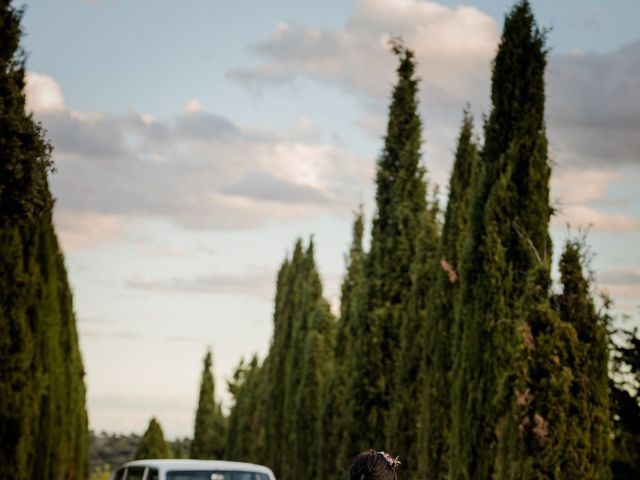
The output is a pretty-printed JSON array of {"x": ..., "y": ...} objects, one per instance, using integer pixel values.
[{"x": 372, "y": 465}]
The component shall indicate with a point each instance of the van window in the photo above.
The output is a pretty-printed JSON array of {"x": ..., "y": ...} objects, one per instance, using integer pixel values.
[
  {"x": 119, "y": 475},
  {"x": 215, "y": 475},
  {"x": 135, "y": 473},
  {"x": 152, "y": 474}
]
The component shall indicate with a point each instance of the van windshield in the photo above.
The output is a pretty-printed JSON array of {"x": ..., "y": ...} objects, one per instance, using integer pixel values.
[{"x": 214, "y": 475}]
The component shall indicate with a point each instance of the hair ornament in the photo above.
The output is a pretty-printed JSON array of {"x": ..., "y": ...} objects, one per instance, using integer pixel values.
[{"x": 393, "y": 462}]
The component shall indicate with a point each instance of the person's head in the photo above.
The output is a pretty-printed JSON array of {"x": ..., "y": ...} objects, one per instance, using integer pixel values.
[{"x": 372, "y": 465}]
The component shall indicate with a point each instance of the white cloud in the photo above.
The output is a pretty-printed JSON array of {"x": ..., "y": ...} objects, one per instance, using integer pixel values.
[
  {"x": 306, "y": 129},
  {"x": 579, "y": 186},
  {"x": 594, "y": 107},
  {"x": 621, "y": 283},
  {"x": 160, "y": 249},
  {"x": 82, "y": 230},
  {"x": 593, "y": 99},
  {"x": 454, "y": 48},
  {"x": 193, "y": 105},
  {"x": 253, "y": 283},
  {"x": 198, "y": 170},
  {"x": 43, "y": 93},
  {"x": 584, "y": 216}
]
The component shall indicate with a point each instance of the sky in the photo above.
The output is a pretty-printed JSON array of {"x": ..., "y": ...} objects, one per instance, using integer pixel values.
[{"x": 195, "y": 141}]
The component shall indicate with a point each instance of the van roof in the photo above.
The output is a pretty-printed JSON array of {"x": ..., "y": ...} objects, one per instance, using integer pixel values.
[{"x": 163, "y": 464}]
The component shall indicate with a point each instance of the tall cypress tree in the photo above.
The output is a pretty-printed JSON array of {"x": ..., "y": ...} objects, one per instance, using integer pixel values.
[
  {"x": 278, "y": 360},
  {"x": 75, "y": 454},
  {"x": 26, "y": 155},
  {"x": 435, "y": 415},
  {"x": 299, "y": 301},
  {"x": 336, "y": 428},
  {"x": 297, "y": 367},
  {"x": 246, "y": 435},
  {"x": 316, "y": 368},
  {"x": 588, "y": 425},
  {"x": 310, "y": 365},
  {"x": 507, "y": 251},
  {"x": 152, "y": 444},
  {"x": 401, "y": 205},
  {"x": 408, "y": 382},
  {"x": 43, "y": 423},
  {"x": 209, "y": 436}
]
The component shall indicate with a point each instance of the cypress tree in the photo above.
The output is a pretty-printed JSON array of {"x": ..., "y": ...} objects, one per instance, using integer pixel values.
[
  {"x": 435, "y": 415},
  {"x": 506, "y": 254},
  {"x": 246, "y": 434},
  {"x": 299, "y": 303},
  {"x": 336, "y": 429},
  {"x": 588, "y": 424},
  {"x": 279, "y": 404},
  {"x": 401, "y": 205},
  {"x": 76, "y": 441},
  {"x": 178, "y": 449},
  {"x": 43, "y": 423},
  {"x": 316, "y": 368},
  {"x": 26, "y": 155},
  {"x": 152, "y": 443},
  {"x": 309, "y": 367},
  {"x": 277, "y": 361},
  {"x": 235, "y": 386},
  {"x": 408, "y": 381},
  {"x": 209, "y": 436}
]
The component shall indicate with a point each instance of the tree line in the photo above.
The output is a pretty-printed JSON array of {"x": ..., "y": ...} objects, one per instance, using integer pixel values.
[
  {"x": 43, "y": 418},
  {"x": 453, "y": 348}
]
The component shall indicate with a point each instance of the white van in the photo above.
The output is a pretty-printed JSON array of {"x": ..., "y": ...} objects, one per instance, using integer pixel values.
[{"x": 191, "y": 470}]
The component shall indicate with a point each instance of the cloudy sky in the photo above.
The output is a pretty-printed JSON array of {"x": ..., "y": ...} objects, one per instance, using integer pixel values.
[{"x": 195, "y": 140}]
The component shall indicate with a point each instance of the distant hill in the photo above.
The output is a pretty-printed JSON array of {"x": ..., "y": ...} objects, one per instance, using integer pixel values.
[
  {"x": 114, "y": 449},
  {"x": 111, "y": 449}
]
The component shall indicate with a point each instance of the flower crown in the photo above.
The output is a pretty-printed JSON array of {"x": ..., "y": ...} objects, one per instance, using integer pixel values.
[{"x": 393, "y": 462}]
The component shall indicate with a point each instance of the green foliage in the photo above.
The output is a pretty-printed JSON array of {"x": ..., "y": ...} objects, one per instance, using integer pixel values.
[
  {"x": 398, "y": 228},
  {"x": 408, "y": 382},
  {"x": 450, "y": 351},
  {"x": 435, "y": 406},
  {"x": 558, "y": 423},
  {"x": 588, "y": 447},
  {"x": 152, "y": 444},
  {"x": 506, "y": 252},
  {"x": 625, "y": 405},
  {"x": 178, "y": 449},
  {"x": 338, "y": 435},
  {"x": 209, "y": 433},
  {"x": 111, "y": 450},
  {"x": 277, "y": 362},
  {"x": 25, "y": 155},
  {"x": 310, "y": 365},
  {"x": 245, "y": 435},
  {"x": 276, "y": 415},
  {"x": 102, "y": 472},
  {"x": 43, "y": 421}
]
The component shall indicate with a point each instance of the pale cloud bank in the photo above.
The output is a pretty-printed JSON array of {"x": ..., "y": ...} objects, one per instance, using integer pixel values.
[
  {"x": 199, "y": 170},
  {"x": 579, "y": 194},
  {"x": 593, "y": 100},
  {"x": 81, "y": 230},
  {"x": 454, "y": 48},
  {"x": 588, "y": 217},
  {"x": 253, "y": 283},
  {"x": 621, "y": 283},
  {"x": 594, "y": 107}
]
